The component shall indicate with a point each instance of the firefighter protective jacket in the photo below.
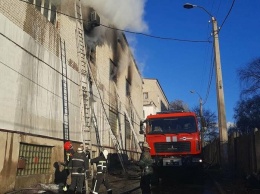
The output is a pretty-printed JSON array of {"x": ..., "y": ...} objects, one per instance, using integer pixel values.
[
  {"x": 78, "y": 164},
  {"x": 101, "y": 163},
  {"x": 145, "y": 163}
]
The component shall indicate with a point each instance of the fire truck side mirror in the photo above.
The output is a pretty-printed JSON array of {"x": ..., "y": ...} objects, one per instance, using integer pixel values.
[{"x": 141, "y": 128}]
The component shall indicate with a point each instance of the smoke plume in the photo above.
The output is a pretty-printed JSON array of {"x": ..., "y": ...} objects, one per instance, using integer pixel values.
[{"x": 124, "y": 14}]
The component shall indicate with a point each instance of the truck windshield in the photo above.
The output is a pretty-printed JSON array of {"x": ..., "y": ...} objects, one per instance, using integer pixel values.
[{"x": 172, "y": 125}]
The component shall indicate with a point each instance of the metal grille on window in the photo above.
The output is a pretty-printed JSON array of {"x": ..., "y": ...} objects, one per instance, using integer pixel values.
[
  {"x": 34, "y": 159},
  {"x": 113, "y": 120}
]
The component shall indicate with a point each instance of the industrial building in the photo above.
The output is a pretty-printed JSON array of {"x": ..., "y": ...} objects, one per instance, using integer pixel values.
[{"x": 63, "y": 76}]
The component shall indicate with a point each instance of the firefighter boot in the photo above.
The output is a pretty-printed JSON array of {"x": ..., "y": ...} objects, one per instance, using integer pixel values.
[{"x": 109, "y": 191}]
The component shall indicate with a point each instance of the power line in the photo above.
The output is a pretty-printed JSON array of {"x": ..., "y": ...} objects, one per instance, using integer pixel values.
[
  {"x": 212, "y": 62},
  {"x": 34, "y": 82},
  {"x": 36, "y": 57},
  {"x": 230, "y": 9},
  {"x": 210, "y": 77},
  {"x": 157, "y": 37},
  {"x": 127, "y": 31},
  {"x": 132, "y": 32},
  {"x": 40, "y": 61}
]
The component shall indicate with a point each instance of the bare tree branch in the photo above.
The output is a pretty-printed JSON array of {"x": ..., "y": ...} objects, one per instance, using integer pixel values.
[{"x": 250, "y": 78}]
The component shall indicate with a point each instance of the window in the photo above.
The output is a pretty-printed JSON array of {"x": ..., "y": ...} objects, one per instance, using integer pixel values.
[
  {"x": 128, "y": 86},
  {"x": 46, "y": 8},
  {"x": 173, "y": 125},
  {"x": 53, "y": 14},
  {"x": 113, "y": 71},
  {"x": 113, "y": 121},
  {"x": 38, "y": 4},
  {"x": 145, "y": 95},
  {"x": 36, "y": 159}
]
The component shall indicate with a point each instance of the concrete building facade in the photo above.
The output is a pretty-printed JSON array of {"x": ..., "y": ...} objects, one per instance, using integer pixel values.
[
  {"x": 154, "y": 97},
  {"x": 32, "y": 93}
]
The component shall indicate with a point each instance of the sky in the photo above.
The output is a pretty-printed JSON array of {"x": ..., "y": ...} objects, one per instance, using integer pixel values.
[{"x": 182, "y": 66}]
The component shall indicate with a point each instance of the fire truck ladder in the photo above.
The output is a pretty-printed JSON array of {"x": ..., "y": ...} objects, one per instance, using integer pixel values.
[
  {"x": 64, "y": 92},
  {"x": 84, "y": 94}
]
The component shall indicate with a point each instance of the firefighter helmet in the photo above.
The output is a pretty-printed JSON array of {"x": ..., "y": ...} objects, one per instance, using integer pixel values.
[
  {"x": 105, "y": 153},
  {"x": 80, "y": 150},
  {"x": 67, "y": 145},
  {"x": 146, "y": 145}
]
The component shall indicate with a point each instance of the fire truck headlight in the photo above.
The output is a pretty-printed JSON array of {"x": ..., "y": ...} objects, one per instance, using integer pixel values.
[{"x": 199, "y": 160}]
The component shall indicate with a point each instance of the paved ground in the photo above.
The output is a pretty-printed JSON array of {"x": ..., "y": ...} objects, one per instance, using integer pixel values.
[
  {"x": 121, "y": 183},
  {"x": 229, "y": 183}
]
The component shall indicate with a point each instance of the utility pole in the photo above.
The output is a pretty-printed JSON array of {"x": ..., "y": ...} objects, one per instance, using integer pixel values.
[{"x": 222, "y": 123}]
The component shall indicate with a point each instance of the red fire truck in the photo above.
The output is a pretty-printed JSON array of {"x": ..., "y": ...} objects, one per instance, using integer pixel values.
[{"x": 174, "y": 139}]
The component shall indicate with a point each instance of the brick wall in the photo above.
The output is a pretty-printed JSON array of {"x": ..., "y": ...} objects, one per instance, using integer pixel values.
[{"x": 29, "y": 19}]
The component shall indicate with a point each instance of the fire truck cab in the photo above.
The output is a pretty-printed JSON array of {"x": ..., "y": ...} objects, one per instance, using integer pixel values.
[{"x": 174, "y": 139}]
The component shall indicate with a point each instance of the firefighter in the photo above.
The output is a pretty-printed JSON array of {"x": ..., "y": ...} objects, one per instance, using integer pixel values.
[
  {"x": 77, "y": 167},
  {"x": 69, "y": 152},
  {"x": 145, "y": 164},
  {"x": 101, "y": 176},
  {"x": 60, "y": 175},
  {"x": 87, "y": 153}
]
